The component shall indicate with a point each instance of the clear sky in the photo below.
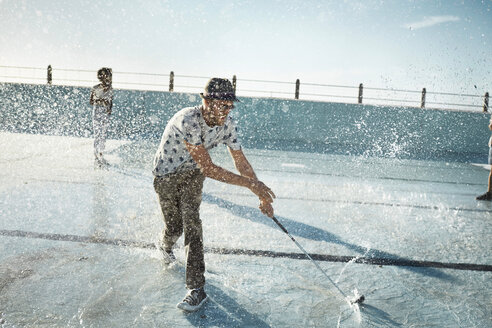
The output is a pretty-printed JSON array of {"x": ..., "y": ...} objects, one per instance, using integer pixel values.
[{"x": 441, "y": 45}]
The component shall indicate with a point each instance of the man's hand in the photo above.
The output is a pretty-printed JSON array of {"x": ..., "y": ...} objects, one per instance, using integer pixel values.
[
  {"x": 262, "y": 191},
  {"x": 266, "y": 208},
  {"x": 102, "y": 102},
  {"x": 266, "y": 196}
]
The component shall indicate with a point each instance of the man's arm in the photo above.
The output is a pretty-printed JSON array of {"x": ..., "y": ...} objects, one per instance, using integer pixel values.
[
  {"x": 110, "y": 103},
  {"x": 245, "y": 169},
  {"x": 91, "y": 100},
  {"x": 242, "y": 164},
  {"x": 109, "y": 106},
  {"x": 201, "y": 156}
]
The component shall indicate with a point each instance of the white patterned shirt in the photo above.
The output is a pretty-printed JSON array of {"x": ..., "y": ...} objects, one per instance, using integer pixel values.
[{"x": 189, "y": 125}]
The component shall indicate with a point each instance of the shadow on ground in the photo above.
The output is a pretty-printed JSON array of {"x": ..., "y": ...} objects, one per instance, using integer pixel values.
[{"x": 306, "y": 231}]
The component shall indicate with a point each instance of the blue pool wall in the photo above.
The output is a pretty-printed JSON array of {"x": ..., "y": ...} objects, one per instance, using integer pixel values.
[{"x": 266, "y": 123}]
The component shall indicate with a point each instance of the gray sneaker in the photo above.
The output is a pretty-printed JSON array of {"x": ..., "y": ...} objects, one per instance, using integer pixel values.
[{"x": 193, "y": 300}]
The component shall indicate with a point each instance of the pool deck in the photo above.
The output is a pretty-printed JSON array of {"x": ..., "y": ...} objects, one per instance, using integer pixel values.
[{"x": 77, "y": 244}]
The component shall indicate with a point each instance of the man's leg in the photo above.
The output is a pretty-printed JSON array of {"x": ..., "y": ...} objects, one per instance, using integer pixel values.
[
  {"x": 167, "y": 192},
  {"x": 490, "y": 175},
  {"x": 488, "y": 194},
  {"x": 191, "y": 198}
]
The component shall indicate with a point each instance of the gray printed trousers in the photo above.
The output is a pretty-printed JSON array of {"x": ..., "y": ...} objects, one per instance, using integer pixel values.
[
  {"x": 180, "y": 195},
  {"x": 100, "y": 124}
]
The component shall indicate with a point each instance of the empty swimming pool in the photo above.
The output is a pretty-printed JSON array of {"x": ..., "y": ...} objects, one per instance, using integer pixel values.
[{"x": 77, "y": 244}]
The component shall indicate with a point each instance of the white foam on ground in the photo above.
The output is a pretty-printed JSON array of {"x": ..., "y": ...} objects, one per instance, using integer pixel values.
[
  {"x": 485, "y": 166},
  {"x": 293, "y": 165}
]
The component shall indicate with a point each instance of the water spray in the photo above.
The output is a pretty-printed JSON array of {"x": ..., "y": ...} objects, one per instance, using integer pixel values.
[{"x": 357, "y": 299}]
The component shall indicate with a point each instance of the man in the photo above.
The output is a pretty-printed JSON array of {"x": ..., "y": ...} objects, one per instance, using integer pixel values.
[
  {"x": 488, "y": 194},
  {"x": 102, "y": 102},
  {"x": 182, "y": 163}
]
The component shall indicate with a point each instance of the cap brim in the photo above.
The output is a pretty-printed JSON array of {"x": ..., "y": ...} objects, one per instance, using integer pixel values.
[{"x": 233, "y": 98}]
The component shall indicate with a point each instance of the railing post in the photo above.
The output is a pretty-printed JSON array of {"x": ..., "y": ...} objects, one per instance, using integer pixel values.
[
  {"x": 422, "y": 101},
  {"x": 361, "y": 89},
  {"x": 50, "y": 74},
  {"x": 298, "y": 83},
  {"x": 234, "y": 81},
  {"x": 171, "y": 82},
  {"x": 486, "y": 103}
]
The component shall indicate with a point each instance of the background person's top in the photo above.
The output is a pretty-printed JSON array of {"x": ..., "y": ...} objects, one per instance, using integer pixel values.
[
  {"x": 188, "y": 124},
  {"x": 100, "y": 94}
]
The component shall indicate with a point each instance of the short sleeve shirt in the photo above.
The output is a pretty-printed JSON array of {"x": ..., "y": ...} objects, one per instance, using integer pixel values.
[{"x": 189, "y": 125}]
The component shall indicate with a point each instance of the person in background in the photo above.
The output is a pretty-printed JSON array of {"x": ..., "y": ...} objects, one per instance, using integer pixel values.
[
  {"x": 102, "y": 102},
  {"x": 181, "y": 164},
  {"x": 488, "y": 194}
]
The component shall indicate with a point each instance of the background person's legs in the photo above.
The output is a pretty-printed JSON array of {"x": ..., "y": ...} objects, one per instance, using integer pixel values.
[
  {"x": 488, "y": 194},
  {"x": 490, "y": 181},
  {"x": 100, "y": 125},
  {"x": 489, "y": 190}
]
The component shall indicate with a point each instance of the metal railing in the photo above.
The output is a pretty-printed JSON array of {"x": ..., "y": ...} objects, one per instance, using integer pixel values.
[{"x": 253, "y": 88}]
